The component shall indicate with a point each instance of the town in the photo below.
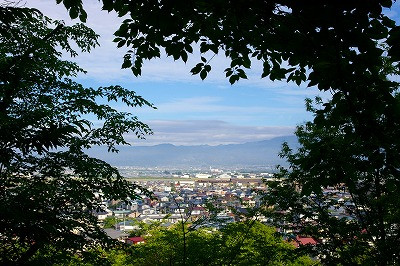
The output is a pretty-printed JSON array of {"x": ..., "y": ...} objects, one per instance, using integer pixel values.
[{"x": 210, "y": 198}]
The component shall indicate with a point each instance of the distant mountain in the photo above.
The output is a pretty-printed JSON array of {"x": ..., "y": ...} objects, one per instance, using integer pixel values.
[{"x": 260, "y": 153}]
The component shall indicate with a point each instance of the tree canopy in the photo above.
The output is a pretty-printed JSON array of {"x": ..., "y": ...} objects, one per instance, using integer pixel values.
[
  {"x": 345, "y": 47},
  {"x": 247, "y": 243},
  {"x": 327, "y": 43},
  {"x": 349, "y": 48},
  {"x": 49, "y": 186},
  {"x": 357, "y": 155}
]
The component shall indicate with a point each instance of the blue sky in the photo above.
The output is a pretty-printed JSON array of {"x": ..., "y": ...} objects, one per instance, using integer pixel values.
[{"x": 191, "y": 111}]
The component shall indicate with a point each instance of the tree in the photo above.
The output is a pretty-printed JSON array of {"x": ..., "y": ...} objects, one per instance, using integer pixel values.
[
  {"x": 352, "y": 147},
  {"x": 110, "y": 222},
  {"x": 353, "y": 153},
  {"x": 49, "y": 186},
  {"x": 328, "y": 43},
  {"x": 259, "y": 245},
  {"x": 334, "y": 45}
]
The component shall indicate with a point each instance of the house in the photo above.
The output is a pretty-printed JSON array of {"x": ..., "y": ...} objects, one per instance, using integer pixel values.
[
  {"x": 101, "y": 215},
  {"x": 134, "y": 240},
  {"x": 164, "y": 199},
  {"x": 134, "y": 214},
  {"x": 149, "y": 211},
  {"x": 171, "y": 218},
  {"x": 133, "y": 206},
  {"x": 224, "y": 176},
  {"x": 179, "y": 198},
  {"x": 121, "y": 213},
  {"x": 198, "y": 210},
  {"x": 116, "y": 234},
  {"x": 302, "y": 241},
  {"x": 202, "y": 176},
  {"x": 127, "y": 226}
]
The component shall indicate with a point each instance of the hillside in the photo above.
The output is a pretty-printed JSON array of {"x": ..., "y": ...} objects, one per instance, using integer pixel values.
[{"x": 261, "y": 153}]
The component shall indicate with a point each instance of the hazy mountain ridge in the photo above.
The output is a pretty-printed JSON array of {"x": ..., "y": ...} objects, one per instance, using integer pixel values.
[{"x": 248, "y": 154}]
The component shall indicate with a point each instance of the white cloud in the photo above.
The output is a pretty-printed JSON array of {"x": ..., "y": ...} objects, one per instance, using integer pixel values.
[
  {"x": 104, "y": 63},
  {"x": 218, "y": 108},
  {"x": 205, "y": 105},
  {"x": 213, "y": 105},
  {"x": 211, "y": 132}
]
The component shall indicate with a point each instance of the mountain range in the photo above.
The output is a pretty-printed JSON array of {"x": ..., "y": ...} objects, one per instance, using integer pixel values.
[{"x": 250, "y": 154}]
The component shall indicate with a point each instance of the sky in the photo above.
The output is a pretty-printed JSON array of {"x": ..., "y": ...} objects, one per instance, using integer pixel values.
[{"x": 191, "y": 111}]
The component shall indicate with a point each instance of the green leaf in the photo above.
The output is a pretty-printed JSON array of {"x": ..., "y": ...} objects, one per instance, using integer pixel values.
[
  {"x": 108, "y": 5},
  {"x": 195, "y": 70},
  {"x": 233, "y": 79},
  {"x": 121, "y": 43},
  {"x": 203, "y": 47},
  {"x": 184, "y": 56},
  {"x": 241, "y": 74},
  {"x": 83, "y": 16},
  {"x": 73, "y": 12},
  {"x": 203, "y": 74},
  {"x": 127, "y": 64},
  {"x": 386, "y": 3}
]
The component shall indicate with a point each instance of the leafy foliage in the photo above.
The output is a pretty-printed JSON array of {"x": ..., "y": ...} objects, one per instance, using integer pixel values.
[
  {"x": 49, "y": 186},
  {"x": 334, "y": 45},
  {"x": 355, "y": 153},
  {"x": 335, "y": 40},
  {"x": 110, "y": 221},
  {"x": 249, "y": 243}
]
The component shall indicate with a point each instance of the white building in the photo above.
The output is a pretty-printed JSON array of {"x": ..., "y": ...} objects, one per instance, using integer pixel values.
[{"x": 201, "y": 176}]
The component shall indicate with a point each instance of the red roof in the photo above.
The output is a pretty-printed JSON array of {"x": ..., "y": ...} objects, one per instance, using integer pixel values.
[
  {"x": 134, "y": 240},
  {"x": 300, "y": 241},
  {"x": 305, "y": 240}
]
